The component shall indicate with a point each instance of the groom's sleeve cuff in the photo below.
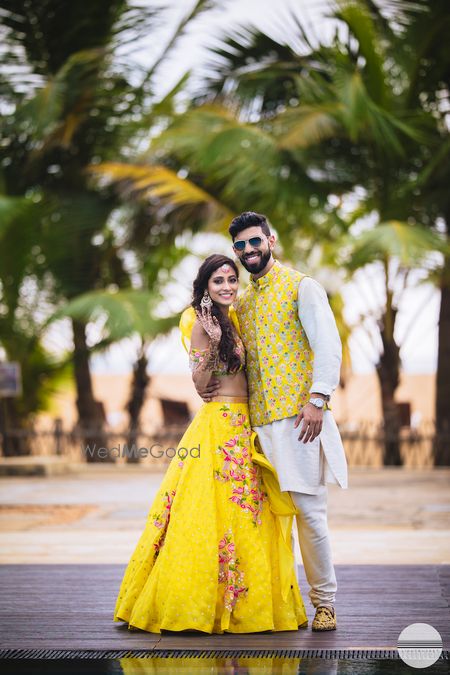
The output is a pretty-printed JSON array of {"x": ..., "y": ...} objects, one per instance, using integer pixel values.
[{"x": 321, "y": 388}]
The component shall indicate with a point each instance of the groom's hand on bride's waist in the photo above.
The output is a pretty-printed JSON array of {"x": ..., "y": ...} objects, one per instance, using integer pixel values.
[
  {"x": 208, "y": 391},
  {"x": 312, "y": 422}
]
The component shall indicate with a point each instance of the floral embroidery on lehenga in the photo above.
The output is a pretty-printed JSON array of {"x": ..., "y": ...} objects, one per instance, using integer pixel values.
[
  {"x": 201, "y": 562},
  {"x": 238, "y": 468},
  {"x": 229, "y": 572},
  {"x": 161, "y": 520}
]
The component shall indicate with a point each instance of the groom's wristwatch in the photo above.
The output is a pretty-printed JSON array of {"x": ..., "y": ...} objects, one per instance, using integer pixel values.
[{"x": 317, "y": 402}]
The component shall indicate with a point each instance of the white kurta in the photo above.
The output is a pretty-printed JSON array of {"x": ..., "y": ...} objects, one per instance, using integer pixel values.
[{"x": 303, "y": 467}]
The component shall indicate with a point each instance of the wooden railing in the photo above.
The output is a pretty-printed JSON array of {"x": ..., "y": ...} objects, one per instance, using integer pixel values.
[{"x": 363, "y": 445}]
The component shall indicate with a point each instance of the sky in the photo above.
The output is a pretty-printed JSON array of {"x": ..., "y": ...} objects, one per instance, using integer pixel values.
[{"x": 418, "y": 313}]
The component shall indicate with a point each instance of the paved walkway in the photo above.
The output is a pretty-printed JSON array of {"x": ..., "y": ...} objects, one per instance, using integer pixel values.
[{"x": 387, "y": 516}]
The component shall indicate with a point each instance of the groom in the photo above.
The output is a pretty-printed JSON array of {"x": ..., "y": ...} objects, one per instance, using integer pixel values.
[{"x": 293, "y": 363}]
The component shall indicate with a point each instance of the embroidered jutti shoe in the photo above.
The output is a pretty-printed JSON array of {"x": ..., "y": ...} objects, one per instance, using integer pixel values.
[{"x": 325, "y": 619}]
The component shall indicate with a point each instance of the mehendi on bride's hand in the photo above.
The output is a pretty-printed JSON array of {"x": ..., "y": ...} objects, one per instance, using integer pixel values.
[{"x": 211, "y": 325}]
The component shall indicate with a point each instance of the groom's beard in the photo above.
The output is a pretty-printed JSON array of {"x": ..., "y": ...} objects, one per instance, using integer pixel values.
[{"x": 259, "y": 265}]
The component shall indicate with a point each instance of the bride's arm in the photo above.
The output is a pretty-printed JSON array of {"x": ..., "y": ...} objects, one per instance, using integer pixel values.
[{"x": 203, "y": 356}]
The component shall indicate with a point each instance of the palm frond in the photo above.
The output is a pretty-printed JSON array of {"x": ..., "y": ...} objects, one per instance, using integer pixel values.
[
  {"x": 306, "y": 125},
  {"x": 410, "y": 244},
  {"x": 160, "y": 183},
  {"x": 254, "y": 66},
  {"x": 11, "y": 208},
  {"x": 124, "y": 313},
  {"x": 200, "y": 7},
  {"x": 362, "y": 28}
]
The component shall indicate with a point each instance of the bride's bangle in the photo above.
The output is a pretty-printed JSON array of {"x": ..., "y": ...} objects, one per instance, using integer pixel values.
[{"x": 204, "y": 359}]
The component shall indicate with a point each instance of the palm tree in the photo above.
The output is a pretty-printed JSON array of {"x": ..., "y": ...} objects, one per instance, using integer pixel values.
[
  {"x": 24, "y": 302},
  {"x": 289, "y": 132},
  {"x": 429, "y": 65},
  {"x": 299, "y": 129},
  {"x": 73, "y": 103},
  {"x": 122, "y": 314}
]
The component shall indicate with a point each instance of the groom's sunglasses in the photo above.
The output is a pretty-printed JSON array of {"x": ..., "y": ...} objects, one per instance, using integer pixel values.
[{"x": 255, "y": 242}]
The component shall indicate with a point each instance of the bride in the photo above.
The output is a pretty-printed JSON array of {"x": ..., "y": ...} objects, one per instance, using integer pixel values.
[{"x": 215, "y": 555}]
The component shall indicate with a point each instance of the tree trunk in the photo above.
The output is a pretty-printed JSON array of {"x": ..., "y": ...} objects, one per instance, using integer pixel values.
[
  {"x": 16, "y": 440},
  {"x": 134, "y": 406},
  {"x": 91, "y": 415},
  {"x": 388, "y": 371},
  {"x": 442, "y": 438}
]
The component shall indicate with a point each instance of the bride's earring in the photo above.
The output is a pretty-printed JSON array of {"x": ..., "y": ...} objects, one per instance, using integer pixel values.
[{"x": 206, "y": 300}]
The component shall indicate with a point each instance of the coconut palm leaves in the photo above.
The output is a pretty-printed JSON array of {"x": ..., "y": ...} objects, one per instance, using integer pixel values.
[
  {"x": 410, "y": 245},
  {"x": 72, "y": 99},
  {"x": 161, "y": 185},
  {"x": 222, "y": 163},
  {"x": 300, "y": 127},
  {"x": 121, "y": 314}
]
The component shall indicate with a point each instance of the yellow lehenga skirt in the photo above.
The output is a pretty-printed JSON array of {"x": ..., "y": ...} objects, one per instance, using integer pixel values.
[{"x": 215, "y": 555}]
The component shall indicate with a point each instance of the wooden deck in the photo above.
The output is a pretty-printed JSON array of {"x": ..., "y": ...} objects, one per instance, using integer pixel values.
[{"x": 70, "y": 607}]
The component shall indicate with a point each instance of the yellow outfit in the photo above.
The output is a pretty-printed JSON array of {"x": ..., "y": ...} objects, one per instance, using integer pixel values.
[
  {"x": 211, "y": 664},
  {"x": 215, "y": 554},
  {"x": 279, "y": 357}
]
